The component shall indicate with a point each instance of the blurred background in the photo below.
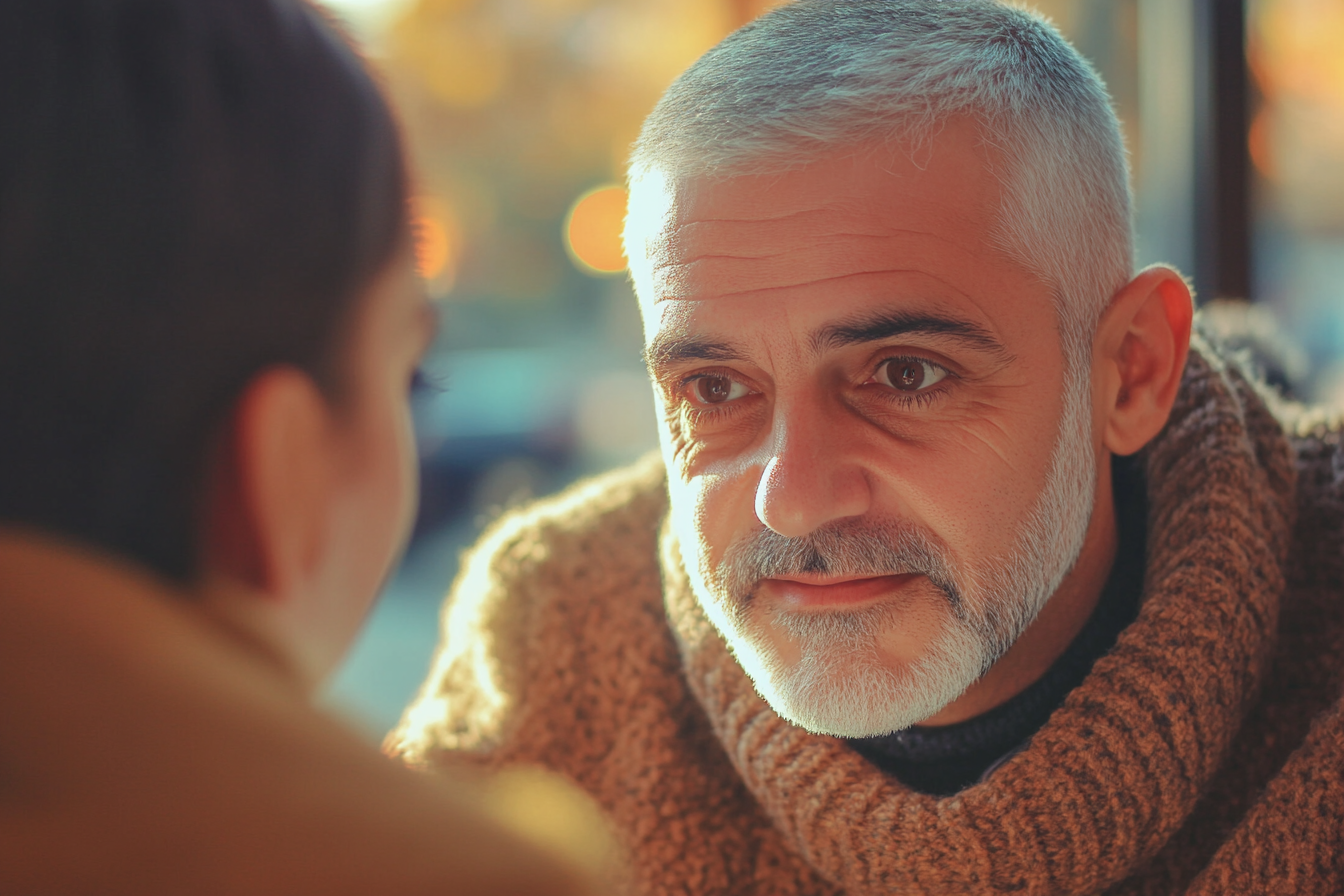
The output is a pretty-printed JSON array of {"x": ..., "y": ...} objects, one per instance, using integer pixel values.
[{"x": 520, "y": 114}]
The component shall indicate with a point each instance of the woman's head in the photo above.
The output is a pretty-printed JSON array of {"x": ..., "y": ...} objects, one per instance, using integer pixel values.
[{"x": 192, "y": 193}]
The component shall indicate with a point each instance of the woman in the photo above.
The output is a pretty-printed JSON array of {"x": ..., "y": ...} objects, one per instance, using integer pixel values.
[{"x": 209, "y": 322}]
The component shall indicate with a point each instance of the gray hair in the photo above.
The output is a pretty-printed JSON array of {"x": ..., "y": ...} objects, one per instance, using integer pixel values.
[{"x": 818, "y": 75}]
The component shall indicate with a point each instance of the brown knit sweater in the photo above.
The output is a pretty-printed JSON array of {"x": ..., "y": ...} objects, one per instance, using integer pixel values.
[
  {"x": 1204, "y": 753},
  {"x": 148, "y": 749}
]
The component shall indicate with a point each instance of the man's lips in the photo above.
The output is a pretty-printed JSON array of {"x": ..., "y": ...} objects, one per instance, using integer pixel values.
[{"x": 806, "y": 592}]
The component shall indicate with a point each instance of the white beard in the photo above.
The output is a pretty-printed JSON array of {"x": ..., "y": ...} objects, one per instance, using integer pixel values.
[{"x": 841, "y": 685}]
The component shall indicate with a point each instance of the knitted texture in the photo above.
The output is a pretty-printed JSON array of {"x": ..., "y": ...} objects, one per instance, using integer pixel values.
[
  {"x": 1203, "y": 753},
  {"x": 945, "y": 759}
]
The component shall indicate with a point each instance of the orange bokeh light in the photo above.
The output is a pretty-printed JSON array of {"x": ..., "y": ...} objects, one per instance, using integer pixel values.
[
  {"x": 431, "y": 247},
  {"x": 437, "y": 242},
  {"x": 593, "y": 230},
  {"x": 1261, "y": 145}
]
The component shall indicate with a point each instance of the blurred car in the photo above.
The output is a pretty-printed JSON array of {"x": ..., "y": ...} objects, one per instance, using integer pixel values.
[{"x": 493, "y": 427}]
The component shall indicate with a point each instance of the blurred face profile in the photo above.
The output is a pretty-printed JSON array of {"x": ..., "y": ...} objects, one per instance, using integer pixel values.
[
  {"x": 373, "y": 440},
  {"x": 879, "y": 470}
]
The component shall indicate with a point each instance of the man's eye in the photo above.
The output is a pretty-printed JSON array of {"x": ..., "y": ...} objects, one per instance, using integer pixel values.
[
  {"x": 908, "y": 374},
  {"x": 716, "y": 389}
]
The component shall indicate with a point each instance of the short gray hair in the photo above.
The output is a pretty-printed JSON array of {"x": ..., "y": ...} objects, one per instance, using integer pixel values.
[{"x": 818, "y": 75}]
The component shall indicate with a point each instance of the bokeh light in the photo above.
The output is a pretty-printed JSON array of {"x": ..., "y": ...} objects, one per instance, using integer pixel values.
[
  {"x": 1297, "y": 139},
  {"x": 465, "y": 64},
  {"x": 438, "y": 242},
  {"x": 1261, "y": 142},
  {"x": 593, "y": 230}
]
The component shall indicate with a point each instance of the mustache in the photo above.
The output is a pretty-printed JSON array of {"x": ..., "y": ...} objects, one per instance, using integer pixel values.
[{"x": 881, "y": 548}]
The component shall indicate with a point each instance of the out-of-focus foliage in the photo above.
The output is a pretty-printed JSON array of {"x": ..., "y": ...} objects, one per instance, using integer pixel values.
[
  {"x": 517, "y": 108},
  {"x": 1296, "y": 51}
]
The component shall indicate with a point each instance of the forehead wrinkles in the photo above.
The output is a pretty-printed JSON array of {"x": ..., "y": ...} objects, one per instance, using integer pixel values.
[
  {"x": 690, "y": 252},
  {"x": 874, "y": 207},
  {"x": 723, "y": 257}
]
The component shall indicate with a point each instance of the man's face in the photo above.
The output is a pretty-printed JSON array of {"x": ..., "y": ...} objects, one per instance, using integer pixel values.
[{"x": 861, "y": 402}]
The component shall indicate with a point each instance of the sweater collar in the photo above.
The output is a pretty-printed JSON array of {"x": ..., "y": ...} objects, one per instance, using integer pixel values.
[
  {"x": 1117, "y": 768},
  {"x": 946, "y": 759}
]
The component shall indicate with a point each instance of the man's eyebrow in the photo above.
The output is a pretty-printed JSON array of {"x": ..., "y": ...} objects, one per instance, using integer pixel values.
[
  {"x": 886, "y": 324},
  {"x": 668, "y": 349}
]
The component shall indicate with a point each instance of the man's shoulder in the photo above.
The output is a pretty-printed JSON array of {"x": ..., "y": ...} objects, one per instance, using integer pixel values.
[
  {"x": 1311, "y": 461},
  {"x": 1317, "y": 434},
  {"x": 597, "y": 526},
  {"x": 542, "y": 616},
  {"x": 1316, "y": 564},
  {"x": 1317, "y": 437}
]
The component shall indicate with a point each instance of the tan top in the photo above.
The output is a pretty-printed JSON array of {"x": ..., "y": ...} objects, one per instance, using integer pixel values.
[
  {"x": 1204, "y": 753},
  {"x": 144, "y": 752}
]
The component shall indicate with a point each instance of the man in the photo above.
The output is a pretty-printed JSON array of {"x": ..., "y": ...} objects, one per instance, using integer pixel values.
[
  {"x": 208, "y": 326},
  {"x": 958, "y": 574}
]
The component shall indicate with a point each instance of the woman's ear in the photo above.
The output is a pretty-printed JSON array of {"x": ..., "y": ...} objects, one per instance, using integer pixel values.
[
  {"x": 1139, "y": 356},
  {"x": 271, "y": 485}
]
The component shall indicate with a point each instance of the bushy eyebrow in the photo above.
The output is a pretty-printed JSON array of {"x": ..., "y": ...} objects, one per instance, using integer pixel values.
[
  {"x": 668, "y": 349},
  {"x": 888, "y": 324}
]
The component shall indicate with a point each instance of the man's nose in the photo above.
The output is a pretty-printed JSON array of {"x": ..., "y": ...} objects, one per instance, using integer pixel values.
[{"x": 810, "y": 479}]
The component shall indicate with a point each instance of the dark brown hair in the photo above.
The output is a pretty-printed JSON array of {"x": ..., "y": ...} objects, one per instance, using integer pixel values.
[{"x": 190, "y": 191}]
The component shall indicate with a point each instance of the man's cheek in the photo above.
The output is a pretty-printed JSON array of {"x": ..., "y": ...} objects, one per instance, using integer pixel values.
[
  {"x": 672, "y": 434},
  {"x": 684, "y": 504},
  {"x": 702, "y": 515},
  {"x": 964, "y": 493}
]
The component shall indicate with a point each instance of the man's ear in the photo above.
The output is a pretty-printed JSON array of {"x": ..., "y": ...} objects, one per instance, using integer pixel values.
[
  {"x": 1139, "y": 356},
  {"x": 271, "y": 484}
]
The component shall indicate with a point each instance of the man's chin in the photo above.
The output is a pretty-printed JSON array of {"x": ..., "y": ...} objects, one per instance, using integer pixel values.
[
  {"x": 854, "y": 697},
  {"x": 836, "y": 674}
]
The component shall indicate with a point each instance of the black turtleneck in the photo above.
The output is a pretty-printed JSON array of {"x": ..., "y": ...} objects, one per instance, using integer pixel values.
[{"x": 945, "y": 759}]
